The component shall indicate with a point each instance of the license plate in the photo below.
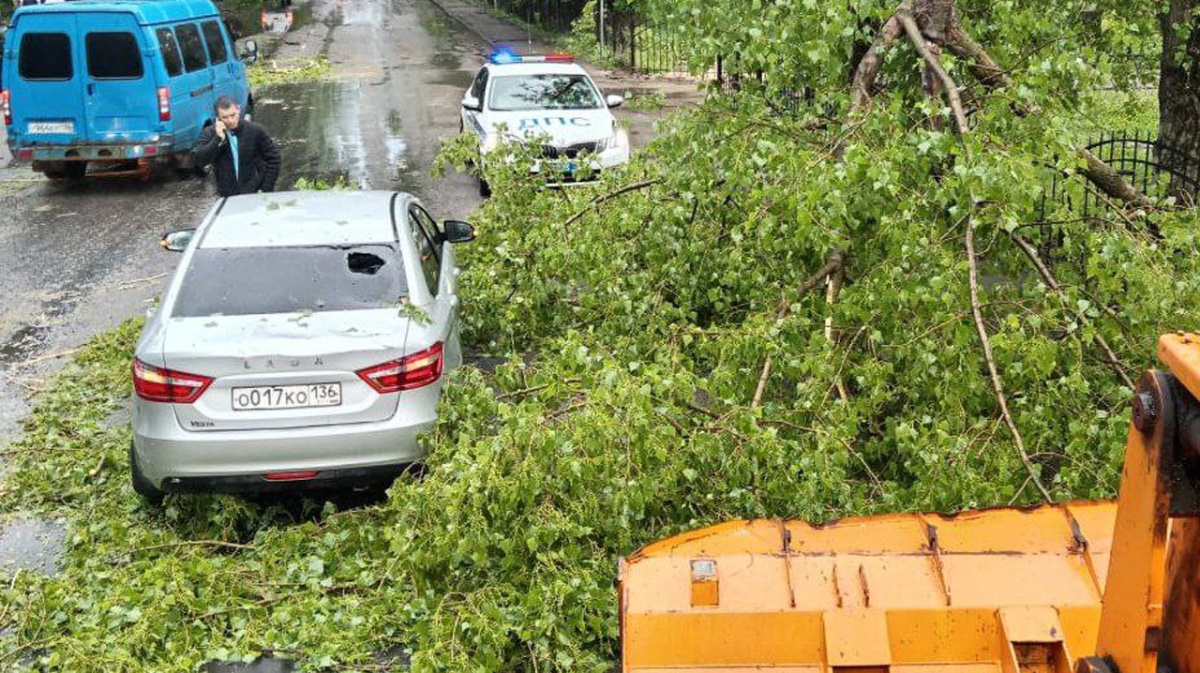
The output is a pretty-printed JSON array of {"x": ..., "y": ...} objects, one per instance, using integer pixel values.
[
  {"x": 52, "y": 127},
  {"x": 256, "y": 398}
]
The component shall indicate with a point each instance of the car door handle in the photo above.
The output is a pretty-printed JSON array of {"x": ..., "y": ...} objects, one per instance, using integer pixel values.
[{"x": 91, "y": 89}]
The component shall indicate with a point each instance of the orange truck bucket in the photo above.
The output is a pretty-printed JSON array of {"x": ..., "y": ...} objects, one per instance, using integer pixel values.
[{"x": 1108, "y": 587}]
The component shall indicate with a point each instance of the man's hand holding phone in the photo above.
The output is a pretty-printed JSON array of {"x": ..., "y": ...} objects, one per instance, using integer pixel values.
[{"x": 220, "y": 129}]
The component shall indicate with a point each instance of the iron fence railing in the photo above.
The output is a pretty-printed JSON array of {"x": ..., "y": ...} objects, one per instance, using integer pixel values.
[
  {"x": 1155, "y": 169},
  {"x": 554, "y": 15}
]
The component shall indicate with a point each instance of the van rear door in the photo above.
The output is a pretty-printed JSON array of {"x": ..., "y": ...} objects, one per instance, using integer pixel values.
[
  {"x": 122, "y": 98},
  {"x": 47, "y": 81}
]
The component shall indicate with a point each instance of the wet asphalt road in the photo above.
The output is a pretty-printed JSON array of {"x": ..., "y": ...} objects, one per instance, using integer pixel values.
[{"x": 77, "y": 259}]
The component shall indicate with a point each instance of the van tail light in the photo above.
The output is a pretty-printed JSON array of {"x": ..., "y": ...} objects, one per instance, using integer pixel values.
[
  {"x": 410, "y": 372},
  {"x": 164, "y": 385},
  {"x": 164, "y": 104},
  {"x": 6, "y": 107}
]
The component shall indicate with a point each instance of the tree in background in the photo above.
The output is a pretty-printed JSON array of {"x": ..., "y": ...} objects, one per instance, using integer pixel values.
[{"x": 1179, "y": 86}]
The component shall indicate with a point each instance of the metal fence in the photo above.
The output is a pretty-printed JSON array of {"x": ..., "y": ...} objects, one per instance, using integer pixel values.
[
  {"x": 1155, "y": 169},
  {"x": 554, "y": 15}
]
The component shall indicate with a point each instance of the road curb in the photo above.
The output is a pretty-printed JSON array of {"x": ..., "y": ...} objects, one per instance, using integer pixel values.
[{"x": 463, "y": 22}]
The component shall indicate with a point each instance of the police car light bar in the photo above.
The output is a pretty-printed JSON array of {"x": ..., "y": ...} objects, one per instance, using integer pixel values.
[{"x": 504, "y": 55}]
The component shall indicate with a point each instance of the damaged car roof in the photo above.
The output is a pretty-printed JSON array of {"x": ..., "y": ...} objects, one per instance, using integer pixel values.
[{"x": 303, "y": 219}]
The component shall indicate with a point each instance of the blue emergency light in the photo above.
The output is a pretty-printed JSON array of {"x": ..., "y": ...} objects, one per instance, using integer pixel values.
[{"x": 503, "y": 54}]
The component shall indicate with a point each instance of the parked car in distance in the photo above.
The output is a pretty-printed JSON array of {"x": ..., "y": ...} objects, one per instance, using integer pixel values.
[
  {"x": 118, "y": 84},
  {"x": 302, "y": 342},
  {"x": 521, "y": 99}
]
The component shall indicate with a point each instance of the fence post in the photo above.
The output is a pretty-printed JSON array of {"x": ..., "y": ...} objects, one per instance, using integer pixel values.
[{"x": 633, "y": 44}]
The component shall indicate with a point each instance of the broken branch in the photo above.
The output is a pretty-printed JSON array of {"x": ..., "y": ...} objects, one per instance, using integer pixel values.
[
  {"x": 1027, "y": 248},
  {"x": 997, "y": 383},
  {"x": 935, "y": 66},
  {"x": 611, "y": 195},
  {"x": 872, "y": 62}
]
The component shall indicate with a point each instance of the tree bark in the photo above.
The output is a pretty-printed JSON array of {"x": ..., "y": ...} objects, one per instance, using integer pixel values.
[{"x": 1179, "y": 94}]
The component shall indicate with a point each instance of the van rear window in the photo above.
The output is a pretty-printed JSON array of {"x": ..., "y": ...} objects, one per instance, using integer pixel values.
[
  {"x": 170, "y": 51},
  {"x": 113, "y": 56},
  {"x": 193, "y": 49},
  {"x": 45, "y": 56},
  {"x": 215, "y": 42}
]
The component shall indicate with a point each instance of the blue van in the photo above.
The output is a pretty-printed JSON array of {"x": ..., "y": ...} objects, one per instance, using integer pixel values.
[{"x": 116, "y": 83}]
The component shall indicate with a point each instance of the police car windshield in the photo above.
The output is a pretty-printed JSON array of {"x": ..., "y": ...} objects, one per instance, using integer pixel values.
[{"x": 543, "y": 92}]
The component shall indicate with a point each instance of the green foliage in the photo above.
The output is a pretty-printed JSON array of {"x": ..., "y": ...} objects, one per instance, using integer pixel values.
[
  {"x": 269, "y": 72},
  {"x": 320, "y": 184},
  {"x": 633, "y": 319}
]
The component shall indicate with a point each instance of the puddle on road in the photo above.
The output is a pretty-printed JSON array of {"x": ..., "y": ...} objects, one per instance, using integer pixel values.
[
  {"x": 321, "y": 133},
  {"x": 31, "y": 545}
]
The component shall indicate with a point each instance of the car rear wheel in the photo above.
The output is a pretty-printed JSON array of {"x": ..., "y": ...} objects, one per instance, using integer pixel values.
[{"x": 140, "y": 483}]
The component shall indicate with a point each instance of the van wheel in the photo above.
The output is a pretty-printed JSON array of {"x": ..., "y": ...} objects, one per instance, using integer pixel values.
[{"x": 141, "y": 484}]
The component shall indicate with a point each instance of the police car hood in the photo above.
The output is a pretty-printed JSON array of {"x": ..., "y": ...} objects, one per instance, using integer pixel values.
[{"x": 564, "y": 127}]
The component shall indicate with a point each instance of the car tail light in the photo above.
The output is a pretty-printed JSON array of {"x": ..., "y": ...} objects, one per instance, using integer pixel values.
[
  {"x": 411, "y": 371},
  {"x": 164, "y": 385},
  {"x": 6, "y": 107},
  {"x": 164, "y": 104}
]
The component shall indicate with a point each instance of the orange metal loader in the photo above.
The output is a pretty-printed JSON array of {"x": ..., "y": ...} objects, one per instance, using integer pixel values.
[{"x": 1084, "y": 587}]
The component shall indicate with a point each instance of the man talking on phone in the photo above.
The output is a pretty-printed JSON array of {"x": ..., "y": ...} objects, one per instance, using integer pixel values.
[{"x": 244, "y": 158}]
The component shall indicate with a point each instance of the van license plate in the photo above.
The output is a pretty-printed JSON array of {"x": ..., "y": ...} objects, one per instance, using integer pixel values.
[
  {"x": 52, "y": 127},
  {"x": 258, "y": 398}
]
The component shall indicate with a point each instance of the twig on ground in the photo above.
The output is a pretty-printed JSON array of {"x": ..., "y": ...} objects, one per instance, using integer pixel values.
[
  {"x": 50, "y": 356},
  {"x": 197, "y": 543}
]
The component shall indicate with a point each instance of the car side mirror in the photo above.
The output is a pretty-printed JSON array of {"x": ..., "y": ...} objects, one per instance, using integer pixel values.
[
  {"x": 250, "y": 51},
  {"x": 472, "y": 103},
  {"x": 455, "y": 231},
  {"x": 614, "y": 101},
  {"x": 177, "y": 241}
]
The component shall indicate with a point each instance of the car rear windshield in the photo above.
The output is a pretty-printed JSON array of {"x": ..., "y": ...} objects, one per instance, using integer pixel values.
[
  {"x": 543, "y": 92},
  {"x": 45, "y": 56},
  {"x": 254, "y": 281},
  {"x": 113, "y": 56}
]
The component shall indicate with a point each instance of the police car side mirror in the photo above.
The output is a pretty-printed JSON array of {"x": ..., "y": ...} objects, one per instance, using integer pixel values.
[
  {"x": 177, "y": 241},
  {"x": 472, "y": 103},
  {"x": 614, "y": 101},
  {"x": 455, "y": 231},
  {"x": 250, "y": 51}
]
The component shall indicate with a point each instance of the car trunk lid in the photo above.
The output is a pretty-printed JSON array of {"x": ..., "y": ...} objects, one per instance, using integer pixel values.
[{"x": 285, "y": 370}]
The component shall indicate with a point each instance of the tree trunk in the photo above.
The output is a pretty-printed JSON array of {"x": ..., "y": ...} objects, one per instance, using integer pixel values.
[{"x": 1179, "y": 95}]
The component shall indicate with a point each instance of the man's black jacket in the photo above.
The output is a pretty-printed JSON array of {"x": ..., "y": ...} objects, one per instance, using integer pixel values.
[{"x": 258, "y": 165}]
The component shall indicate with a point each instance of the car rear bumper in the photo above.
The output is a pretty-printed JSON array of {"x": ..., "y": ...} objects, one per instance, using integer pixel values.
[
  {"x": 174, "y": 459},
  {"x": 106, "y": 152},
  {"x": 253, "y": 483}
]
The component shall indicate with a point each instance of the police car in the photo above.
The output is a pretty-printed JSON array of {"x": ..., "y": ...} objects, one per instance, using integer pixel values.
[{"x": 550, "y": 100}]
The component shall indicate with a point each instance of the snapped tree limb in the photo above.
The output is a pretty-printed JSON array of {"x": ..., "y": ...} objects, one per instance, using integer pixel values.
[{"x": 993, "y": 372}]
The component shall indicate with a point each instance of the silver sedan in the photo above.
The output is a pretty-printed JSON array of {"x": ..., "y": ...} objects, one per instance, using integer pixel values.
[{"x": 302, "y": 342}]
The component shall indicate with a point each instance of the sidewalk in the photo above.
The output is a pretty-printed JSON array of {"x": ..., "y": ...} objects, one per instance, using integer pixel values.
[{"x": 492, "y": 29}]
